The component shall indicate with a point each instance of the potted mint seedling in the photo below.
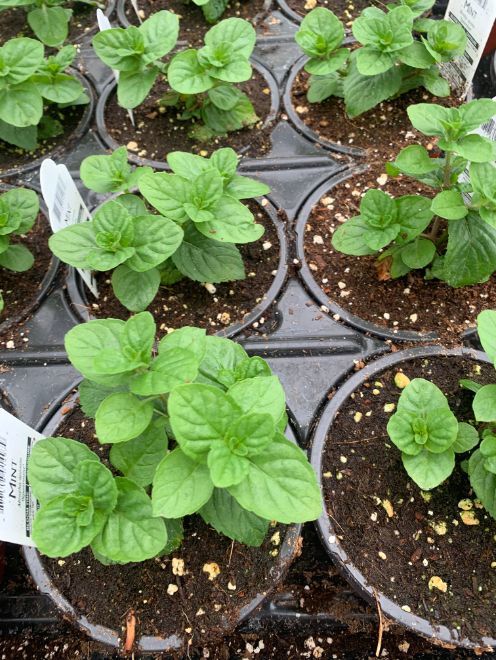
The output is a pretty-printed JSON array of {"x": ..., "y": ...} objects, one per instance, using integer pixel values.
[
  {"x": 397, "y": 53},
  {"x": 194, "y": 95},
  {"x": 411, "y": 242},
  {"x": 193, "y": 426},
  {"x": 417, "y": 430},
  {"x": 38, "y": 95},
  {"x": 25, "y": 261},
  {"x": 201, "y": 212}
]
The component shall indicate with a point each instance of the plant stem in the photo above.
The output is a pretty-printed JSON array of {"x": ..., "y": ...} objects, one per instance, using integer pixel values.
[{"x": 438, "y": 222}]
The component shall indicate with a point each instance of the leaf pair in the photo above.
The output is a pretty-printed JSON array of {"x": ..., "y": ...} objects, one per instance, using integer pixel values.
[
  {"x": 428, "y": 434},
  {"x": 83, "y": 504},
  {"x": 19, "y": 209}
]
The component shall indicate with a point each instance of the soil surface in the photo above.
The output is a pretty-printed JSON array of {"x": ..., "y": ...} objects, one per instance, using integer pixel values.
[
  {"x": 158, "y": 133},
  {"x": 13, "y": 23},
  {"x": 383, "y": 131},
  {"x": 406, "y": 303},
  {"x": 189, "y": 303},
  {"x": 192, "y": 23},
  {"x": 200, "y": 609},
  {"x": 20, "y": 290},
  {"x": 70, "y": 118},
  {"x": 345, "y": 10},
  {"x": 388, "y": 529}
]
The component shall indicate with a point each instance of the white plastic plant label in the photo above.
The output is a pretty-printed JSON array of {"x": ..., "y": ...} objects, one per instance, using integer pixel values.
[
  {"x": 65, "y": 205},
  {"x": 17, "y": 503},
  {"x": 477, "y": 18},
  {"x": 104, "y": 24}
]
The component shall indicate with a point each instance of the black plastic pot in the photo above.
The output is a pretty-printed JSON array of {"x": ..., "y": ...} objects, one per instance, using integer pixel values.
[
  {"x": 289, "y": 549},
  {"x": 123, "y": 5},
  {"x": 80, "y": 304},
  {"x": 61, "y": 150},
  {"x": 46, "y": 283},
  {"x": 109, "y": 141},
  {"x": 300, "y": 126},
  {"x": 108, "y": 11},
  {"x": 329, "y": 534},
  {"x": 315, "y": 289}
]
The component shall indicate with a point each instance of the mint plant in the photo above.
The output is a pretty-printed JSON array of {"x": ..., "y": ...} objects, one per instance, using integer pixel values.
[
  {"x": 202, "y": 81},
  {"x": 29, "y": 83},
  {"x": 212, "y": 9},
  {"x": 452, "y": 235},
  {"x": 397, "y": 52},
  {"x": 428, "y": 434},
  {"x": 49, "y": 19},
  {"x": 19, "y": 209},
  {"x": 196, "y": 419},
  {"x": 201, "y": 218}
]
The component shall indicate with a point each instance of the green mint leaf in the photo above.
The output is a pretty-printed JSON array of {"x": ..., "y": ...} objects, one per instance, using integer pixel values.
[
  {"x": 449, "y": 204},
  {"x": 130, "y": 532},
  {"x": 227, "y": 517},
  {"x": 419, "y": 253},
  {"x": 484, "y": 404},
  {"x": 260, "y": 395},
  {"x": 135, "y": 290},
  {"x": 429, "y": 470},
  {"x": 471, "y": 251},
  {"x": 280, "y": 485},
  {"x": 50, "y": 24},
  {"x": 486, "y": 327},
  {"x": 122, "y": 417},
  {"x": 200, "y": 415},
  {"x": 138, "y": 458},
  {"x": 466, "y": 439},
  {"x": 190, "y": 339},
  {"x": 483, "y": 482},
  {"x": 227, "y": 468},
  {"x": 174, "y": 367},
  {"x": 106, "y": 173},
  {"x": 181, "y": 486},
  {"x": 222, "y": 356}
]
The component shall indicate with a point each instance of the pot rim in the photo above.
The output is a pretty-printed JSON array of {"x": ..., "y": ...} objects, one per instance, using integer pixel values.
[
  {"x": 440, "y": 635},
  {"x": 78, "y": 296},
  {"x": 161, "y": 165},
  {"x": 311, "y": 284},
  {"x": 289, "y": 549},
  {"x": 51, "y": 272},
  {"x": 64, "y": 148}
]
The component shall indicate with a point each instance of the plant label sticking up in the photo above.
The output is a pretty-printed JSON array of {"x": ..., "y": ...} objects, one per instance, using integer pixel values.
[
  {"x": 104, "y": 24},
  {"x": 477, "y": 18},
  {"x": 17, "y": 503},
  {"x": 65, "y": 205}
]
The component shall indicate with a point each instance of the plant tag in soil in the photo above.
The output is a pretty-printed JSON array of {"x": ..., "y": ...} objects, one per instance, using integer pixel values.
[
  {"x": 104, "y": 24},
  {"x": 17, "y": 503},
  {"x": 65, "y": 205},
  {"x": 477, "y": 18}
]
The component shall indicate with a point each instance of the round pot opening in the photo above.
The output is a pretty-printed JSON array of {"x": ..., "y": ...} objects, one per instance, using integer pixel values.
[
  {"x": 24, "y": 292},
  {"x": 397, "y": 546},
  {"x": 215, "y": 311},
  {"x": 409, "y": 308},
  {"x": 195, "y": 608},
  {"x": 158, "y": 131},
  {"x": 60, "y": 146}
]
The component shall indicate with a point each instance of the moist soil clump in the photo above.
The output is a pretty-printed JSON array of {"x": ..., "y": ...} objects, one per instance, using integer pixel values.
[
  {"x": 382, "y": 131},
  {"x": 397, "y": 537},
  {"x": 70, "y": 117},
  {"x": 192, "y": 23},
  {"x": 345, "y": 10},
  {"x": 157, "y": 133},
  {"x": 189, "y": 303},
  {"x": 407, "y": 303},
  {"x": 200, "y": 609},
  {"x": 20, "y": 290},
  {"x": 13, "y": 23}
]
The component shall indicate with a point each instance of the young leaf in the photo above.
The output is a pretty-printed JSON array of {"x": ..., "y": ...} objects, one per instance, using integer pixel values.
[
  {"x": 122, "y": 417},
  {"x": 429, "y": 470},
  {"x": 138, "y": 458}
]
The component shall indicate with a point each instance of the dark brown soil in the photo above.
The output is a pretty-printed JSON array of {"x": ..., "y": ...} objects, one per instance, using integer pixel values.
[
  {"x": 189, "y": 303},
  {"x": 383, "y": 131},
  {"x": 158, "y": 133},
  {"x": 406, "y": 303},
  {"x": 13, "y": 22},
  {"x": 20, "y": 290},
  {"x": 362, "y": 469},
  {"x": 70, "y": 117},
  {"x": 201, "y": 609},
  {"x": 192, "y": 22},
  {"x": 345, "y": 10}
]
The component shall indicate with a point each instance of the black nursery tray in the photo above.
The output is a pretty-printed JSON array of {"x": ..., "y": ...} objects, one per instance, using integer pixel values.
[{"x": 308, "y": 346}]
